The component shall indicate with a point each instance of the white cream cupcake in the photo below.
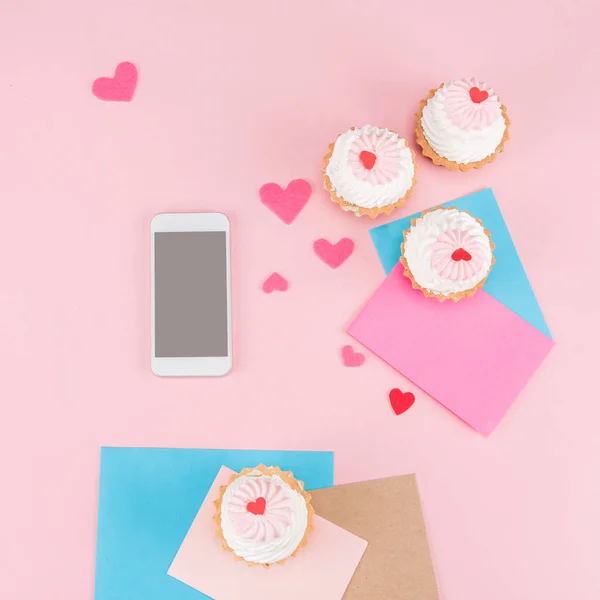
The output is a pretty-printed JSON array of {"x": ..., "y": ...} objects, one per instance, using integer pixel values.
[
  {"x": 462, "y": 125},
  {"x": 369, "y": 171},
  {"x": 263, "y": 515},
  {"x": 447, "y": 253}
]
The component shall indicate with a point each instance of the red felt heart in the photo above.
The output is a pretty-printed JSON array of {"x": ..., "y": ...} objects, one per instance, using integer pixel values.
[
  {"x": 257, "y": 507},
  {"x": 461, "y": 254},
  {"x": 478, "y": 95},
  {"x": 401, "y": 402},
  {"x": 367, "y": 159}
]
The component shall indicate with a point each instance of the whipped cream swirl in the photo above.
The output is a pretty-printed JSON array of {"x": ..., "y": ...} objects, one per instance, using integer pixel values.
[
  {"x": 263, "y": 519},
  {"x": 383, "y": 179},
  {"x": 463, "y": 121},
  {"x": 447, "y": 251}
]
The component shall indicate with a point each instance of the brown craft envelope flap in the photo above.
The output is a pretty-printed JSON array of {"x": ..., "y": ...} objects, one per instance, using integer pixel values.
[{"x": 387, "y": 514}]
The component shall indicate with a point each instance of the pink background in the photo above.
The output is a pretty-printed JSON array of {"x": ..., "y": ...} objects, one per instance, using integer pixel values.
[{"x": 232, "y": 95}]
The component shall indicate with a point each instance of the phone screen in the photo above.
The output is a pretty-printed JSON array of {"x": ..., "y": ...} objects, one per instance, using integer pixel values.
[{"x": 190, "y": 293}]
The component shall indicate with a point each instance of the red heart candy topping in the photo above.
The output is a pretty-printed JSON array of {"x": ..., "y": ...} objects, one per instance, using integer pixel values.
[
  {"x": 257, "y": 507},
  {"x": 461, "y": 254},
  {"x": 477, "y": 95},
  {"x": 367, "y": 159}
]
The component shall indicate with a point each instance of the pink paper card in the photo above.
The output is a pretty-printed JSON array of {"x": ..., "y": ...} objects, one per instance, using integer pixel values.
[
  {"x": 473, "y": 356},
  {"x": 322, "y": 570}
]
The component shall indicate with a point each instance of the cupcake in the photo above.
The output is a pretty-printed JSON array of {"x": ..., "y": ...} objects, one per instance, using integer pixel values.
[
  {"x": 263, "y": 515},
  {"x": 462, "y": 125},
  {"x": 447, "y": 253},
  {"x": 369, "y": 171}
]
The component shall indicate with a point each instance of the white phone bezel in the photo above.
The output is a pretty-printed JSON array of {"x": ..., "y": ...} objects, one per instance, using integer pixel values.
[{"x": 212, "y": 366}]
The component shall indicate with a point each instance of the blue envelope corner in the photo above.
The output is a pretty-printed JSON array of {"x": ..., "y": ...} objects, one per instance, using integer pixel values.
[
  {"x": 507, "y": 281},
  {"x": 148, "y": 499}
]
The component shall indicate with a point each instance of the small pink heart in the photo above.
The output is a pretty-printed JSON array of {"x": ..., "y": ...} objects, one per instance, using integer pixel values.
[
  {"x": 333, "y": 255},
  {"x": 351, "y": 358},
  {"x": 275, "y": 283},
  {"x": 288, "y": 203},
  {"x": 119, "y": 88}
]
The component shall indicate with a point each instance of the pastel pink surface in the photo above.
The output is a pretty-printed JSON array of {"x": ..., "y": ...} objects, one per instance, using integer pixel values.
[
  {"x": 352, "y": 358},
  {"x": 333, "y": 255},
  {"x": 275, "y": 283},
  {"x": 473, "y": 356},
  {"x": 321, "y": 570},
  {"x": 119, "y": 88},
  {"x": 511, "y": 517},
  {"x": 286, "y": 203}
]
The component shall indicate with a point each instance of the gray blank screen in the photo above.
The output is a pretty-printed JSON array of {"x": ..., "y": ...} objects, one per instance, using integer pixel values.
[{"x": 190, "y": 301}]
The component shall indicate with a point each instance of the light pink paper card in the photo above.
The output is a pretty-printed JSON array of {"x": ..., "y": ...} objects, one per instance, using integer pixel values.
[
  {"x": 473, "y": 356},
  {"x": 322, "y": 570}
]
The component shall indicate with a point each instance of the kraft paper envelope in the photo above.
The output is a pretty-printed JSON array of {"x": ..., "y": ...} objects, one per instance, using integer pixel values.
[
  {"x": 321, "y": 570},
  {"x": 387, "y": 514}
]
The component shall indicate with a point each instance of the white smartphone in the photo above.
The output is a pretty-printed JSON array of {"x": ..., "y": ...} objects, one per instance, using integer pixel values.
[{"x": 191, "y": 294}]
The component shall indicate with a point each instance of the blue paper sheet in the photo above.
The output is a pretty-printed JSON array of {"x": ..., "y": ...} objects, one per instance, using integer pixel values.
[
  {"x": 148, "y": 500},
  {"x": 507, "y": 281}
]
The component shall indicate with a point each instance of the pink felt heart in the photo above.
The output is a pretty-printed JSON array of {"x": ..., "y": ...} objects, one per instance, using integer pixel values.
[
  {"x": 288, "y": 203},
  {"x": 333, "y": 255},
  {"x": 351, "y": 358},
  {"x": 119, "y": 88},
  {"x": 275, "y": 283}
]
